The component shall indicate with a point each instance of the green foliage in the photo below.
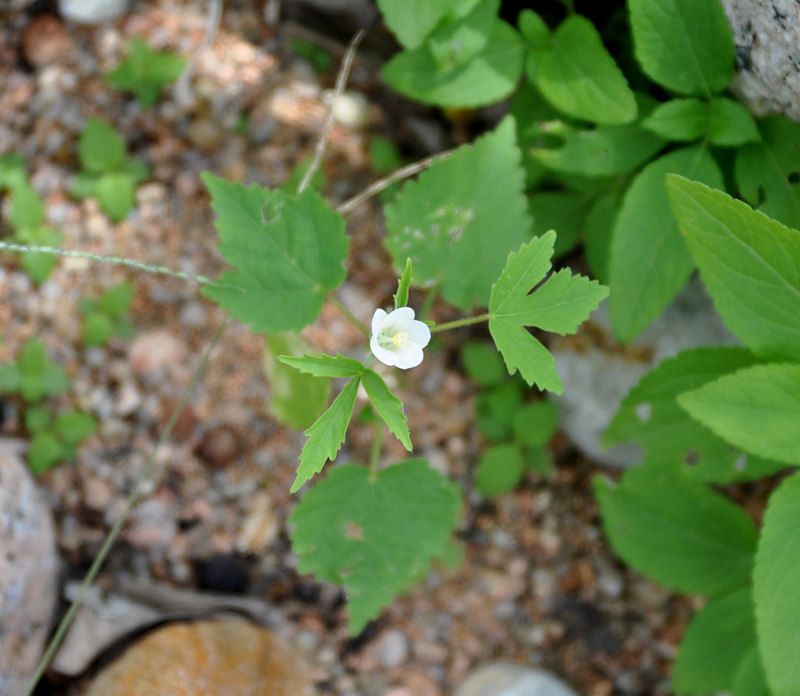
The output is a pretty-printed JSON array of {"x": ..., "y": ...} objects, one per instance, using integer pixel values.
[
  {"x": 108, "y": 174},
  {"x": 286, "y": 252},
  {"x": 677, "y": 531},
  {"x": 749, "y": 263},
  {"x": 107, "y": 316},
  {"x": 575, "y": 73},
  {"x": 724, "y": 122},
  {"x": 413, "y": 20},
  {"x": 777, "y": 596},
  {"x": 499, "y": 470},
  {"x": 684, "y": 45},
  {"x": 49, "y": 446},
  {"x": 651, "y": 416},
  {"x": 482, "y": 364},
  {"x": 649, "y": 261},
  {"x": 559, "y": 305},
  {"x": 145, "y": 72},
  {"x": 718, "y": 639},
  {"x": 388, "y": 406},
  {"x": 456, "y": 227},
  {"x": 319, "y": 58},
  {"x": 33, "y": 376},
  {"x": 374, "y": 534},
  {"x": 403, "y": 284}
]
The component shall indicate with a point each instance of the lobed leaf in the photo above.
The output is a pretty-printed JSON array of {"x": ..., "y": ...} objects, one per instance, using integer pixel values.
[
  {"x": 324, "y": 365},
  {"x": 388, "y": 406}
]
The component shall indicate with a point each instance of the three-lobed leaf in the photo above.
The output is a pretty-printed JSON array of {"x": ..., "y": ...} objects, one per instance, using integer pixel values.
[
  {"x": 286, "y": 253},
  {"x": 374, "y": 534},
  {"x": 324, "y": 365},
  {"x": 145, "y": 72},
  {"x": 676, "y": 531},
  {"x": 749, "y": 263},
  {"x": 776, "y": 590}
]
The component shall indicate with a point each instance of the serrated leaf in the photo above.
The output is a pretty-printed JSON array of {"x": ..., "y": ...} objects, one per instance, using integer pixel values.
[
  {"x": 324, "y": 365},
  {"x": 684, "y": 45},
  {"x": 559, "y": 305},
  {"x": 499, "y": 470},
  {"x": 602, "y": 151},
  {"x": 578, "y": 76},
  {"x": 651, "y": 416},
  {"x": 100, "y": 147},
  {"x": 649, "y": 261},
  {"x": 749, "y": 263},
  {"x": 677, "y": 532},
  {"x": 295, "y": 398},
  {"x": 716, "y": 642},
  {"x": 287, "y": 253},
  {"x": 767, "y": 171},
  {"x": 777, "y": 594},
  {"x": 457, "y": 227},
  {"x": 374, "y": 534},
  {"x": 115, "y": 193},
  {"x": 757, "y": 409},
  {"x": 491, "y": 74},
  {"x": 403, "y": 284},
  {"x": 388, "y": 406},
  {"x": 326, "y": 435}
]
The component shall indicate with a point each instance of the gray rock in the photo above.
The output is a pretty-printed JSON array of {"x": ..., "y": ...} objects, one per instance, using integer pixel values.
[
  {"x": 28, "y": 570},
  {"x": 766, "y": 35},
  {"x": 92, "y": 11},
  {"x": 597, "y": 374},
  {"x": 509, "y": 679}
]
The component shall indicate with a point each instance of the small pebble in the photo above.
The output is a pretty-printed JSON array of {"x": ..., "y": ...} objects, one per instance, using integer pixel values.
[
  {"x": 509, "y": 679},
  {"x": 391, "y": 648},
  {"x": 44, "y": 41}
]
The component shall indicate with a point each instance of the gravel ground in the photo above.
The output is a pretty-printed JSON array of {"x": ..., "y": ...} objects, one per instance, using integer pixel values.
[{"x": 538, "y": 584}]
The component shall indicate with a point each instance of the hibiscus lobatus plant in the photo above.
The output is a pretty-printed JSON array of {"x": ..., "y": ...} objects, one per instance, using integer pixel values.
[{"x": 397, "y": 338}]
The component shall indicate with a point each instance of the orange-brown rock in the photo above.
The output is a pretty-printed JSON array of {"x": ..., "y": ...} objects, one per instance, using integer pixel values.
[{"x": 212, "y": 657}]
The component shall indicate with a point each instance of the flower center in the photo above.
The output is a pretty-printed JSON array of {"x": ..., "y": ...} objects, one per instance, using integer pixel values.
[{"x": 400, "y": 340}]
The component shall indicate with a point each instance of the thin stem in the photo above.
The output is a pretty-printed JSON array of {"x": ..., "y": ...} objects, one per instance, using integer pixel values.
[
  {"x": 375, "y": 454},
  {"x": 427, "y": 303},
  {"x": 341, "y": 82},
  {"x": 460, "y": 322},
  {"x": 362, "y": 327},
  {"x": 66, "y": 622},
  {"x": 381, "y": 184},
  {"x": 183, "y": 92}
]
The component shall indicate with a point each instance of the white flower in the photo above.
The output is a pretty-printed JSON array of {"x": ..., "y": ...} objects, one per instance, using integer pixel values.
[{"x": 397, "y": 338}]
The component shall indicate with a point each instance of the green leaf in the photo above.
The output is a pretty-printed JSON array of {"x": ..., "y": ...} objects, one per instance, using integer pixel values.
[
  {"x": 115, "y": 193},
  {"x": 603, "y": 151},
  {"x": 559, "y": 305},
  {"x": 33, "y": 358},
  {"x": 287, "y": 254},
  {"x": 456, "y": 227},
  {"x": 499, "y": 470},
  {"x": 578, "y": 76},
  {"x": 135, "y": 170},
  {"x": 83, "y": 185},
  {"x": 145, "y": 72},
  {"x": 535, "y": 423},
  {"x": 412, "y": 20},
  {"x": 597, "y": 233},
  {"x": 750, "y": 679},
  {"x": 649, "y": 261},
  {"x": 777, "y": 594},
  {"x": 563, "y": 211},
  {"x": 10, "y": 378},
  {"x": 495, "y": 410},
  {"x": 482, "y": 363},
  {"x": 757, "y": 409},
  {"x": 37, "y": 418},
  {"x": 684, "y": 45},
  {"x": 731, "y": 124},
  {"x": 749, "y": 263},
  {"x": 384, "y": 157},
  {"x": 100, "y": 147},
  {"x": 491, "y": 75},
  {"x": 324, "y": 365},
  {"x": 457, "y": 42},
  {"x": 401, "y": 296},
  {"x": 533, "y": 27},
  {"x": 651, "y": 416},
  {"x": 679, "y": 119},
  {"x": 388, "y": 406},
  {"x": 296, "y": 399},
  {"x": 326, "y": 435},
  {"x": 374, "y": 534},
  {"x": 38, "y": 265},
  {"x": 74, "y": 426},
  {"x": 12, "y": 171},
  {"x": 97, "y": 329},
  {"x": 678, "y": 532},
  {"x": 116, "y": 301},
  {"x": 44, "y": 452},
  {"x": 718, "y": 639},
  {"x": 767, "y": 172},
  {"x": 27, "y": 209},
  {"x": 538, "y": 460}
]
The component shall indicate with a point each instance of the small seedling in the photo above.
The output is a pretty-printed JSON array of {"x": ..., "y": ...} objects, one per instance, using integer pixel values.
[
  {"x": 517, "y": 430},
  {"x": 108, "y": 174},
  {"x": 107, "y": 316},
  {"x": 33, "y": 376},
  {"x": 145, "y": 72},
  {"x": 56, "y": 440}
]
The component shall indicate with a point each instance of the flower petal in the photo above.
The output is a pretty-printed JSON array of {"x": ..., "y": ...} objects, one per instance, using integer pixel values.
[
  {"x": 409, "y": 357},
  {"x": 377, "y": 320},
  {"x": 420, "y": 333},
  {"x": 401, "y": 315}
]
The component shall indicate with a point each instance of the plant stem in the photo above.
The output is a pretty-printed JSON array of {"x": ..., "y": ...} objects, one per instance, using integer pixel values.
[
  {"x": 66, "y": 622},
  {"x": 362, "y": 327},
  {"x": 460, "y": 322},
  {"x": 375, "y": 454}
]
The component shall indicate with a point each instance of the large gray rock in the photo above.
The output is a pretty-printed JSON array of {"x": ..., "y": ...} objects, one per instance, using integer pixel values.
[
  {"x": 28, "y": 571},
  {"x": 509, "y": 679}
]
